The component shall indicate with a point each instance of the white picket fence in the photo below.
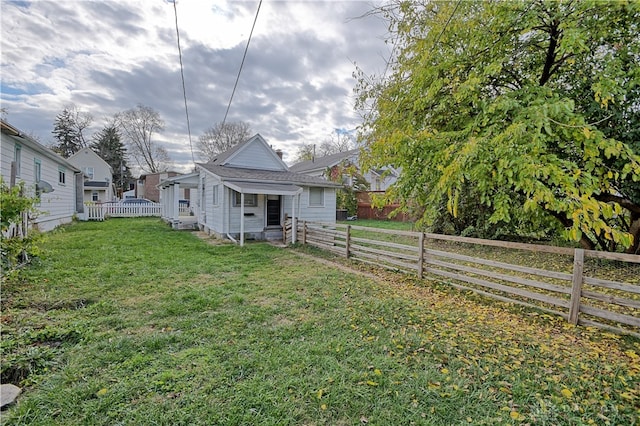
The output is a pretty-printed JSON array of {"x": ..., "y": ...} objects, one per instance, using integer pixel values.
[{"x": 102, "y": 211}]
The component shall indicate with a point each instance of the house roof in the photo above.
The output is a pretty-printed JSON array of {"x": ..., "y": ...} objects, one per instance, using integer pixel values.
[
  {"x": 15, "y": 134},
  {"x": 264, "y": 188},
  {"x": 96, "y": 184},
  {"x": 187, "y": 181},
  {"x": 226, "y": 173},
  {"x": 323, "y": 162}
]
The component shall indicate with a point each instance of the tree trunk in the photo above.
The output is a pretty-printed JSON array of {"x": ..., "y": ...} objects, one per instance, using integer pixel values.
[{"x": 634, "y": 229}]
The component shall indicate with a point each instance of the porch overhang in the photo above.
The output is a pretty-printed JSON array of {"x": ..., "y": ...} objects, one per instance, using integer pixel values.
[{"x": 264, "y": 188}]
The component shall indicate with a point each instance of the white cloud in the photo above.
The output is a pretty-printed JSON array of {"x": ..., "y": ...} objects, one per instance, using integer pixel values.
[{"x": 108, "y": 56}]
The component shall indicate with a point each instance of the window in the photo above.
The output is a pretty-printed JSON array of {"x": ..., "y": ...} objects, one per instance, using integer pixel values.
[
  {"x": 215, "y": 195},
  {"x": 37, "y": 170},
  {"x": 62, "y": 176},
  {"x": 94, "y": 196},
  {"x": 316, "y": 196},
  {"x": 88, "y": 171},
  {"x": 250, "y": 200},
  {"x": 17, "y": 155}
]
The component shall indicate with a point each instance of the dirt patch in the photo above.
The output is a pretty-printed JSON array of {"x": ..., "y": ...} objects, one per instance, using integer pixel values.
[{"x": 211, "y": 239}]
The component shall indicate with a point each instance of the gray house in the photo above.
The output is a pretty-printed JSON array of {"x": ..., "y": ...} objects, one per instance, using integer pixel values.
[{"x": 246, "y": 192}]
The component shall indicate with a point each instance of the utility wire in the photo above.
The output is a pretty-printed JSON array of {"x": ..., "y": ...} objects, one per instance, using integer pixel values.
[
  {"x": 184, "y": 90},
  {"x": 241, "y": 64}
]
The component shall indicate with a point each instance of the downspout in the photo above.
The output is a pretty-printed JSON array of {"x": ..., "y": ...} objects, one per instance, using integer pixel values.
[{"x": 242, "y": 219}]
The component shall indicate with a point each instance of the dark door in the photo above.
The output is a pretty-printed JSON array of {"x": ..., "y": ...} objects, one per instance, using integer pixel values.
[{"x": 273, "y": 212}]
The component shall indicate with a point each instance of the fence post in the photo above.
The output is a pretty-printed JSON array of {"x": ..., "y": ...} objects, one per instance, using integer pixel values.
[
  {"x": 348, "y": 241},
  {"x": 284, "y": 229},
  {"x": 304, "y": 232},
  {"x": 420, "y": 254},
  {"x": 576, "y": 286}
]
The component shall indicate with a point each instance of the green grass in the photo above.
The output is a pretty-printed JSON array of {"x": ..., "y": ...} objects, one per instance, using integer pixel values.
[
  {"x": 129, "y": 322},
  {"x": 384, "y": 224}
]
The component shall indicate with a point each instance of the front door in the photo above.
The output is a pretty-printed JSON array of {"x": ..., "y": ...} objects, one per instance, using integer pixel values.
[{"x": 273, "y": 212}]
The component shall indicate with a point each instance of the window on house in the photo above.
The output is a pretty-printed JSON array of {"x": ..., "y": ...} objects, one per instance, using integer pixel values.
[
  {"x": 94, "y": 196},
  {"x": 250, "y": 200},
  {"x": 37, "y": 170},
  {"x": 316, "y": 196},
  {"x": 17, "y": 158},
  {"x": 62, "y": 176},
  {"x": 215, "y": 195},
  {"x": 88, "y": 171}
]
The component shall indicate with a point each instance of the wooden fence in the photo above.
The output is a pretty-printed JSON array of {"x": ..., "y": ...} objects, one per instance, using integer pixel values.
[{"x": 585, "y": 287}]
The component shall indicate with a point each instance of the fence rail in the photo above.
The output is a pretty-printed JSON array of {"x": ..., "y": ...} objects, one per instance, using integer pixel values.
[
  {"x": 102, "y": 211},
  {"x": 585, "y": 287}
]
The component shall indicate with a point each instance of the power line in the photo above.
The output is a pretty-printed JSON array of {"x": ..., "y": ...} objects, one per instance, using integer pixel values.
[
  {"x": 184, "y": 90},
  {"x": 241, "y": 64}
]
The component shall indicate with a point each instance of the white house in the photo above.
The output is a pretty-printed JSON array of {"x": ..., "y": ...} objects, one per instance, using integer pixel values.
[
  {"x": 55, "y": 181},
  {"x": 246, "y": 192},
  {"x": 378, "y": 180},
  {"x": 98, "y": 174}
]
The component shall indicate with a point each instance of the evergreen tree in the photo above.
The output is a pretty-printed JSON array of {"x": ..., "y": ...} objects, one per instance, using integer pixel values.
[
  {"x": 66, "y": 134},
  {"x": 108, "y": 145}
]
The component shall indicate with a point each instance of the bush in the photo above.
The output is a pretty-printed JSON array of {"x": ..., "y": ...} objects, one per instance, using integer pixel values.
[{"x": 18, "y": 243}]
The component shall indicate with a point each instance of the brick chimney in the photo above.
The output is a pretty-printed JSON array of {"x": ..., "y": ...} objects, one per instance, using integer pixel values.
[{"x": 279, "y": 152}]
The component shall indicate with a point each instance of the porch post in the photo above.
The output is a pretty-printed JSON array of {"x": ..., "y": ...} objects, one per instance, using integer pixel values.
[
  {"x": 294, "y": 224},
  {"x": 175, "y": 204},
  {"x": 241, "y": 219}
]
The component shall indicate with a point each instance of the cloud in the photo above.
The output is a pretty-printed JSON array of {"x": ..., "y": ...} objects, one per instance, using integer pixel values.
[{"x": 105, "y": 57}]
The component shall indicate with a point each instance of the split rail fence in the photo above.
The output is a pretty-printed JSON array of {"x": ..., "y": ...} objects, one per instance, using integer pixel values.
[{"x": 585, "y": 287}]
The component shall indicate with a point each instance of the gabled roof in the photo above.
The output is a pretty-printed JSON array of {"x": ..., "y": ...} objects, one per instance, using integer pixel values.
[
  {"x": 234, "y": 155},
  {"x": 15, "y": 134},
  {"x": 226, "y": 173},
  {"x": 323, "y": 162}
]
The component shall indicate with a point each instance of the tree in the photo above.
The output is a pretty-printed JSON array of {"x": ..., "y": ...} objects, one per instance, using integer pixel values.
[
  {"x": 137, "y": 127},
  {"x": 511, "y": 106},
  {"x": 339, "y": 141},
  {"x": 68, "y": 130},
  {"x": 347, "y": 174},
  {"x": 108, "y": 145},
  {"x": 222, "y": 137}
]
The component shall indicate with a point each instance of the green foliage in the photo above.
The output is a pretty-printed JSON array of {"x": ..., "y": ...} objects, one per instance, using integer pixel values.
[
  {"x": 68, "y": 129},
  {"x": 347, "y": 174},
  {"x": 509, "y": 109},
  {"x": 17, "y": 243}
]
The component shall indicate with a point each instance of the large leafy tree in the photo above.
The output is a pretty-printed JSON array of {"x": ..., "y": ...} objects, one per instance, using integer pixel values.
[
  {"x": 221, "y": 137},
  {"x": 138, "y": 127},
  {"x": 68, "y": 130},
  {"x": 109, "y": 146},
  {"x": 528, "y": 109}
]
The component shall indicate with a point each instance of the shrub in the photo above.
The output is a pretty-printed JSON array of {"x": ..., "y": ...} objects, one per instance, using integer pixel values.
[{"x": 18, "y": 243}]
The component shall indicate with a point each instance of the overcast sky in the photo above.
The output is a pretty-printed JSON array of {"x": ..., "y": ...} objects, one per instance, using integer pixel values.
[{"x": 108, "y": 56}]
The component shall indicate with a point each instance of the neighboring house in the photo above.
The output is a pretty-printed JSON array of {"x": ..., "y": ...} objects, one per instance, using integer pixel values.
[
  {"x": 378, "y": 180},
  {"x": 55, "y": 181},
  {"x": 147, "y": 186},
  {"x": 246, "y": 192},
  {"x": 98, "y": 175}
]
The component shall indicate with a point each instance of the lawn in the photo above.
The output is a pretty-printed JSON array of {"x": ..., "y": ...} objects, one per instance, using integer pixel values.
[{"x": 129, "y": 322}]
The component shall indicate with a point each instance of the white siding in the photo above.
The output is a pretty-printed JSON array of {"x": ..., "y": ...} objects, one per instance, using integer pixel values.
[
  {"x": 56, "y": 207},
  {"x": 255, "y": 223},
  {"x": 101, "y": 173},
  {"x": 326, "y": 213},
  {"x": 256, "y": 155}
]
